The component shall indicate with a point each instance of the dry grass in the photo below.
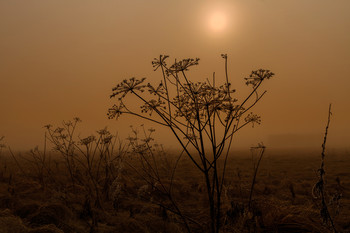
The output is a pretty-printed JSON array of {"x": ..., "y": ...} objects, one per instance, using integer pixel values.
[{"x": 282, "y": 200}]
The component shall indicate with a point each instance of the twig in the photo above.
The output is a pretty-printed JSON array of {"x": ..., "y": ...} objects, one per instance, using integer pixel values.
[
  {"x": 320, "y": 185},
  {"x": 256, "y": 167}
]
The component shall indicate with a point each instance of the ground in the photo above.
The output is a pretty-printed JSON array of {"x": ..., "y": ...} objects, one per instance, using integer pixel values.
[{"x": 283, "y": 198}]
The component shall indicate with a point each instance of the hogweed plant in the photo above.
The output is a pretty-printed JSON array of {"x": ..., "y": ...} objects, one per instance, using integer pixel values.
[
  {"x": 92, "y": 161},
  {"x": 203, "y": 116}
]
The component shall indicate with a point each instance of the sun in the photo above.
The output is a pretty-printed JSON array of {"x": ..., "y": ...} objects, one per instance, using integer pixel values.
[{"x": 217, "y": 21}]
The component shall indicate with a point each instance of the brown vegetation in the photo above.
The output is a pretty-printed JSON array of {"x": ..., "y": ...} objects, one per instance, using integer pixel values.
[{"x": 282, "y": 200}]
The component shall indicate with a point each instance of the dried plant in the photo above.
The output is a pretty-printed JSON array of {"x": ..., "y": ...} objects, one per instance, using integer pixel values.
[
  {"x": 93, "y": 162},
  {"x": 40, "y": 161},
  {"x": 157, "y": 170},
  {"x": 257, "y": 155},
  {"x": 319, "y": 190},
  {"x": 203, "y": 117},
  {"x": 63, "y": 141}
]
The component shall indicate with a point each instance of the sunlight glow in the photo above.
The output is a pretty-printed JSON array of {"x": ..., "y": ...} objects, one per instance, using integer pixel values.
[{"x": 217, "y": 21}]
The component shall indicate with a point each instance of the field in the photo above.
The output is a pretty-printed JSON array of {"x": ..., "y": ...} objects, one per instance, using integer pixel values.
[{"x": 48, "y": 200}]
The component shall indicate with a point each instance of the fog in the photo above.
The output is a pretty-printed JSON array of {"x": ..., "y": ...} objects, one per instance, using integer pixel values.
[{"x": 60, "y": 59}]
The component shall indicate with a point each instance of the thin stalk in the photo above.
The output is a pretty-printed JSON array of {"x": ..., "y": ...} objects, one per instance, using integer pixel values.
[
  {"x": 325, "y": 212},
  {"x": 256, "y": 167}
]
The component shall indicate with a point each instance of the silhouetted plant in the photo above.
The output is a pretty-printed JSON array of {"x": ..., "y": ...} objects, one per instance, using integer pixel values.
[
  {"x": 257, "y": 155},
  {"x": 319, "y": 190},
  {"x": 157, "y": 171},
  {"x": 40, "y": 161},
  {"x": 62, "y": 139},
  {"x": 92, "y": 161},
  {"x": 197, "y": 113},
  {"x": 94, "y": 153}
]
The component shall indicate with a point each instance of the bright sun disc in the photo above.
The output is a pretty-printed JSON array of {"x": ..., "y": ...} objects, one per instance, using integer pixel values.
[{"x": 217, "y": 21}]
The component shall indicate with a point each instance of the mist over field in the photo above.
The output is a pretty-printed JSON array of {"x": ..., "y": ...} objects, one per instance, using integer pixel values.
[{"x": 60, "y": 59}]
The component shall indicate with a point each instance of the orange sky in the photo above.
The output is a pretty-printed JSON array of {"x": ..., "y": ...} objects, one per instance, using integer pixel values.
[{"x": 60, "y": 59}]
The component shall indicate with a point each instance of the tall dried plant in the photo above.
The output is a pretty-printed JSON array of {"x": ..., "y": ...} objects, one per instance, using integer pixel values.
[
  {"x": 203, "y": 116},
  {"x": 319, "y": 190}
]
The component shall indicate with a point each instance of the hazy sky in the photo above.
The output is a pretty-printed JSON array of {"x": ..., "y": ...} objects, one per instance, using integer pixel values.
[{"x": 60, "y": 58}]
